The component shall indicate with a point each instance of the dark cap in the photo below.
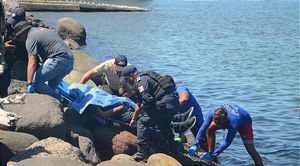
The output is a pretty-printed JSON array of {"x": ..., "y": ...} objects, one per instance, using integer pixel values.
[
  {"x": 17, "y": 15},
  {"x": 121, "y": 60},
  {"x": 128, "y": 70},
  {"x": 21, "y": 27}
]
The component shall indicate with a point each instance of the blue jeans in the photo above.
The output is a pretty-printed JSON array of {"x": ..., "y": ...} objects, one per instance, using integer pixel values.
[{"x": 48, "y": 76}]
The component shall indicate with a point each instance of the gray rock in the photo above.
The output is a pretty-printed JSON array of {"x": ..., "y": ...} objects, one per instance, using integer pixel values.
[
  {"x": 80, "y": 131},
  {"x": 68, "y": 28},
  {"x": 162, "y": 159},
  {"x": 50, "y": 161},
  {"x": 16, "y": 141},
  {"x": 88, "y": 149},
  {"x": 71, "y": 43},
  {"x": 120, "y": 163},
  {"x": 19, "y": 71},
  {"x": 10, "y": 4},
  {"x": 122, "y": 157},
  {"x": 12, "y": 143},
  {"x": 42, "y": 116},
  {"x": 103, "y": 136},
  {"x": 125, "y": 142},
  {"x": 17, "y": 87},
  {"x": 50, "y": 147}
]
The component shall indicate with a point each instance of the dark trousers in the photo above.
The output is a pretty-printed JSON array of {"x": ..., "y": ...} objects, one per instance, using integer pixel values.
[
  {"x": 161, "y": 115},
  {"x": 4, "y": 82}
]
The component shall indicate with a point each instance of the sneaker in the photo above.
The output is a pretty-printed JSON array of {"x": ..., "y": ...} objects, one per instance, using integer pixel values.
[
  {"x": 188, "y": 113},
  {"x": 188, "y": 124},
  {"x": 181, "y": 138}
]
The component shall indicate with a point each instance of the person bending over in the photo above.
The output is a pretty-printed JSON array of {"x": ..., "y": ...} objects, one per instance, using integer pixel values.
[{"x": 230, "y": 117}]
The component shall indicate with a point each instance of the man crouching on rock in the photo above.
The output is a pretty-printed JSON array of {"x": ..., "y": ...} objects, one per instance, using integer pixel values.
[
  {"x": 157, "y": 98},
  {"x": 51, "y": 50}
]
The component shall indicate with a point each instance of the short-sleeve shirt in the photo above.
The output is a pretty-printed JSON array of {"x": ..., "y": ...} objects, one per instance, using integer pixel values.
[
  {"x": 46, "y": 43},
  {"x": 192, "y": 102},
  {"x": 113, "y": 80}
]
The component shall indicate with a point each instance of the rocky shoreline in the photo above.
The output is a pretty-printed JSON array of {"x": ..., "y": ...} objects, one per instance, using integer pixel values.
[{"x": 49, "y": 133}]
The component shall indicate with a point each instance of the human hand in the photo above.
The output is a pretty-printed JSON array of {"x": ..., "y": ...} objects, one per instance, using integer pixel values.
[
  {"x": 132, "y": 122},
  {"x": 193, "y": 151},
  {"x": 206, "y": 156},
  {"x": 30, "y": 88},
  {"x": 10, "y": 46}
]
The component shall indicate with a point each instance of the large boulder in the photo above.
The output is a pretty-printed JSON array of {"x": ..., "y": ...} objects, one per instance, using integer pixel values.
[
  {"x": 50, "y": 147},
  {"x": 82, "y": 64},
  {"x": 88, "y": 149},
  {"x": 125, "y": 142},
  {"x": 75, "y": 76},
  {"x": 10, "y": 4},
  {"x": 49, "y": 161},
  {"x": 120, "y": 163},
  {"x": 12, "y": 143},
  {"x": 80, "y": 131},
  {"x": 42, "y": 116},
  {"x": 16, "y": 141},
  {"x": 122, "y": 157},
  {"x": 160, "y": 159},
  {"x": 17, "y": 87},
  {"x": 72, "y": 29},
  {"x": 103, "y": 136},
  {"x": 19, "y": 71},
  {"x": 86, "y": 146}
]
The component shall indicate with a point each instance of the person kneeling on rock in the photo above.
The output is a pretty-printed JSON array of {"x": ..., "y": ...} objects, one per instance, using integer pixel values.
[{"x": 50, "y": 49}]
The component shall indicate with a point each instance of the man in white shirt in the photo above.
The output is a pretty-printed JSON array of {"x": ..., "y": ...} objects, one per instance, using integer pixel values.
[{"x": 111, "y": 70}]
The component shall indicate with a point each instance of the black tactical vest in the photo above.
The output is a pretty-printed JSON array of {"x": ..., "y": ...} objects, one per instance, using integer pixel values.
[{"x": 166, "y": 86}]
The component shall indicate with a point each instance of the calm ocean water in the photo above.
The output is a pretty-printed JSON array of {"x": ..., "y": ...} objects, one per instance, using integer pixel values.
[{"x": 242, "y": 51}]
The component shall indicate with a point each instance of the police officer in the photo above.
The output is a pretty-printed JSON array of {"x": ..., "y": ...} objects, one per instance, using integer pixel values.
[{"x": 157, "y": 98}]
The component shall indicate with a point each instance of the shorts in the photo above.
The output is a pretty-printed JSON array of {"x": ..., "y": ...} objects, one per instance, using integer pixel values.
[{"x": 246, "y": 133}]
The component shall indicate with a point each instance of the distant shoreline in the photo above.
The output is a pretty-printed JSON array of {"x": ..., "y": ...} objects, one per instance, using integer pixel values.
[{"x": 69, "y": 6}]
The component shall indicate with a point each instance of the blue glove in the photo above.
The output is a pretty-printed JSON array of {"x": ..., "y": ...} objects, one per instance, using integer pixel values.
[
  {"x": 206, "y": 156},
  {"x": 193, "y": 151},
  {"x": 30, "y": 88}
]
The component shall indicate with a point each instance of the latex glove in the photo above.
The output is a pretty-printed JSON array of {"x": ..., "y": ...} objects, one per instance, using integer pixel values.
[
  {"x": 206, "y": 156},
  {"x": 193, "y": 151},
  {"x": 30, "y": 89}
]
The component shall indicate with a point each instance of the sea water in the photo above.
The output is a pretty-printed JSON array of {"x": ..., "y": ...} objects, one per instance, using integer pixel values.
[{"x": 241, "y": 51}]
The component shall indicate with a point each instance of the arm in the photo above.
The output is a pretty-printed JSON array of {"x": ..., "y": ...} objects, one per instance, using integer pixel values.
[
  {"x": 211, "y": 136},
  {"x": 201, "y": 133},
  {"x": 135, "y": 116},
  {"x": 87, "y": 76},
  {"x": 109, "y": 113},
  {"x": 229, "y": 138},
  {"x": 31, "y": 67},
  {"x": 183, "y": 98}
]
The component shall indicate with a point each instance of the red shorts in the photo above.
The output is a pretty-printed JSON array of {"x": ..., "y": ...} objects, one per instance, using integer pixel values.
[{"x": 246, "y": 133}]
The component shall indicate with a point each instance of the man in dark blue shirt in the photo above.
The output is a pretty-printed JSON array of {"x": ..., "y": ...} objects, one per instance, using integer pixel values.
[{"x": 158, "y": 98}]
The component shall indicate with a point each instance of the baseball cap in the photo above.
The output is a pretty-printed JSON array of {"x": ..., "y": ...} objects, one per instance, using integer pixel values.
[
  {"x": 128, "y": 70},
  {"x": 17, "y": 15},
  {"x": 120, "y": 62},
  {"x": 21, "y": 27}
]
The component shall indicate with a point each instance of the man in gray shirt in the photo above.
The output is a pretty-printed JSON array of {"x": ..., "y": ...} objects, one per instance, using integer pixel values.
[{"x": 51, "y": 50}]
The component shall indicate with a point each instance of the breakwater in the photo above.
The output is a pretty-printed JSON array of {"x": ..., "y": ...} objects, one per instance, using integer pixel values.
[{"x": 61, "y": 6}]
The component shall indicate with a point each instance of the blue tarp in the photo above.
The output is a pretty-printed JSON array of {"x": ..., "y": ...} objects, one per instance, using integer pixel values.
[{"x": 81, "y": 96}]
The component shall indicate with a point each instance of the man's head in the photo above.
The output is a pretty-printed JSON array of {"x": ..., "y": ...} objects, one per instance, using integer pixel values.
[
  {"x": 21, "y": 30},
  {"x": 120, "y": 63},
  {"x": 129, "y": 74},
  {"x": 220, "y": 117},
  {"x": 17, "y": 15}
]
